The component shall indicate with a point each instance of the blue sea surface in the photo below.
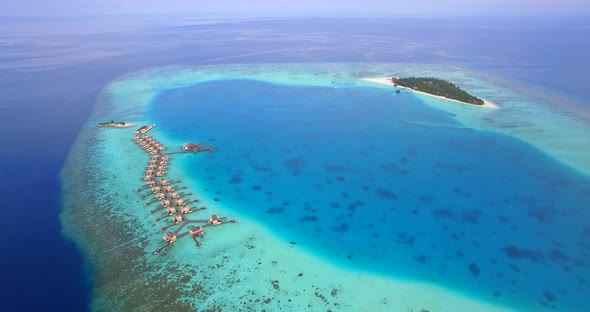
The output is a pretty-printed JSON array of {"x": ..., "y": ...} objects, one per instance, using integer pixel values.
[
  {"x": 38, "y": 265},
  {"x": 380, "y": 181},
  {"x": 393, "y": 171}
]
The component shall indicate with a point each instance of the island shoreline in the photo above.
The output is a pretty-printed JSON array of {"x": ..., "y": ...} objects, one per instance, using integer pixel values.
[
  {"x": 117, "y": 125},
  {"x": 387, "y": 81}
]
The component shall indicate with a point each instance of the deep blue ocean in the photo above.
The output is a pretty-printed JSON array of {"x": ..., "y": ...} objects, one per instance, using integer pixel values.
[{"x": 48, "y": 91}]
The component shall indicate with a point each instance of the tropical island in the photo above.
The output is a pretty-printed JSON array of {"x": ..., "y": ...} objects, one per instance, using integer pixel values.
[
  {"x": 434, "y": 87},
  {"x": 438, "y": 87},
  {"x": 115, "y": 124}
]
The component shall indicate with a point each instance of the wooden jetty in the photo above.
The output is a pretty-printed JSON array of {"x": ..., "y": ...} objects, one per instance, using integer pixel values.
[{"x": 174, "y": 203}]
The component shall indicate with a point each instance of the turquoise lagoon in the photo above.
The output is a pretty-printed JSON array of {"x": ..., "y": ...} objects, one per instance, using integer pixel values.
[{"x": 349, "y": 195}]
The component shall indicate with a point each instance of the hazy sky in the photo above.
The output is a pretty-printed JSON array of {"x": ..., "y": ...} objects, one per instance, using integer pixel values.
[{"x": 270, "y": 7}]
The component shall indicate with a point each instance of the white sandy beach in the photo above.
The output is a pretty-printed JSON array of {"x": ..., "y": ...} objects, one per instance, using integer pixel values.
[{"x": 387, "y": 81}]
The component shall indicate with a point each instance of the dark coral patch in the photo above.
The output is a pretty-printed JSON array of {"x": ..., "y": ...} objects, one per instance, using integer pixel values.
[
  {"x": 470, "y": 216},
  {"x": 426, "y": 199},
  {"x": 405, "y": 239},
  {"x": 541, "y": 214},
  {"x": 308, "y": 219},
  {"x": 523, "y": 253},
  {"x": 341, "y": 228},
  {"x": 385, "y": 194},
  {"x": 422, "y": 259},
  {"x": 334, "y": 205},
  {"x": 275, "y": 210},
  {"x": 474, "y": 269},
  {"x": 557, "y": 255},
  {"x": 235, "y": 179},
  {"x": 443, "y": 214},
  {"x": 256, "y": 188},
  {"x": 295, "y": 165},
  {"x": 549, "y": 296},
  {"x": 335, "y": 168},
  {"x": 259, "y": 168},
  {"x": 391, "y": 168}
]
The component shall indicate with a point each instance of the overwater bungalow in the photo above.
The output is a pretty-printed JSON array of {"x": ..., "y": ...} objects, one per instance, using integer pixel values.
[
  {"x": 196, "y": 231},
  {"x": 186, "y": 209},
  {"x": 165, "y": 203},
  {"x": 177, "y": 219},
  {"x": 170, "y": 211},
  {"x": 164, "y": 182},
  {"x": 169, "y": 237},
  {"x": 160, "y": 196},
  {"x": 180, "y": 202},
  {"x": 215, "y": 220},
  {"x": 174, "y": 195},
  {"x": 195, "y": 148},
  {"x": 144, "y": 129}
]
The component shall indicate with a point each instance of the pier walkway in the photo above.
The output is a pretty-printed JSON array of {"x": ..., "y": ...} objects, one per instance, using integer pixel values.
[{"x": 173, "y": 203}]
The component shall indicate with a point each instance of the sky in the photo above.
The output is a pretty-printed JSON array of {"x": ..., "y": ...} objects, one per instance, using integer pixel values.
[{"x": 291, "y": 7}]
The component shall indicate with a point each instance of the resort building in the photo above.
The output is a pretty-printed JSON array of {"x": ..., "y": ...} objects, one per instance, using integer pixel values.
[
  {"x": 169, "y": 237},
  {"x": 215, "y": 220},
  {"x": 144, "y": 129},
  {"x": 196, "y": 231}
]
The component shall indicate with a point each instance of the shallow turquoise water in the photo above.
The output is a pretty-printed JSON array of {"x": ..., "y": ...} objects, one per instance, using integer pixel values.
[{"x": 383, "y": 182}]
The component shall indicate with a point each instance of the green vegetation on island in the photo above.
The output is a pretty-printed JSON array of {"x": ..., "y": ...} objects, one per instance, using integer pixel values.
[
  {"x": 438, "y": 87},
  {"x": 112, "y": 123}
]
